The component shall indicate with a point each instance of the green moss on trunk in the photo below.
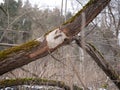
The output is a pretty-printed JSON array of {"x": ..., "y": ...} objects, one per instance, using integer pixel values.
[
  {"x": 33, "y": 81},
  {"x": 79, "y": 12},
  {"x": 27, "y": 46}
]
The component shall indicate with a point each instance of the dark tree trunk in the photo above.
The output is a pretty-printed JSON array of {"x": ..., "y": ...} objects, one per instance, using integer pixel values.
[{"x": 101, "y": 62}]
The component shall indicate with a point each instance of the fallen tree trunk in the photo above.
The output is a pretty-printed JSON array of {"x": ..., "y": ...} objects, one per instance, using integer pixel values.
[
  {"x": 32, "y": 82},
  {"x": 101, "y": 62},
  {"x": 21, "y": 55}
]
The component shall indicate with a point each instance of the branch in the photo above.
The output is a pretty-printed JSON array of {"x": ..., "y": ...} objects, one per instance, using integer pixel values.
[
  {"x": 1, "y": 8},
  {"x": 27, "y": 71},
  {"x": 101, "y": 62},
  {"x": 8, "y": 45},
  {"x": 21, "y": 55},
  {"x": 56, "y": 58}
]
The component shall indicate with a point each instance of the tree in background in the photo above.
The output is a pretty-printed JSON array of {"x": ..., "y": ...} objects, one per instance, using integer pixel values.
[{"x": 14, "y": 26}]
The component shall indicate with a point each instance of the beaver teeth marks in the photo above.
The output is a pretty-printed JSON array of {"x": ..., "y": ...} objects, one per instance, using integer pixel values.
[{"x": 55, "y": 38}]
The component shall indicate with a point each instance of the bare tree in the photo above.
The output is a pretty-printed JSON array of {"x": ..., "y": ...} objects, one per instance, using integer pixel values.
[{"x": 21, "y": 55}]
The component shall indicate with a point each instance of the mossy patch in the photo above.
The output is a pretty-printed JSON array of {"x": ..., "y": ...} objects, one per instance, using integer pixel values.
[
  {"x": 34, "y": 81},
  {"x": 24, "y": 47},
  {"x": 105, "y": 86},
  {"x": 79, "y": 12}
]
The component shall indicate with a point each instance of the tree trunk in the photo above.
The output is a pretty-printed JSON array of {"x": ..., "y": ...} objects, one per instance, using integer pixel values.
[
  {"x": 32, "y": 81},
  {"x": 21, "y": 55},
  {"x": 101, "y": 62}
]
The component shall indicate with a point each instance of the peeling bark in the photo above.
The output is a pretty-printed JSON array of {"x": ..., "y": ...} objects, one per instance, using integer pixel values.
[{"x": 21, "y": 55}]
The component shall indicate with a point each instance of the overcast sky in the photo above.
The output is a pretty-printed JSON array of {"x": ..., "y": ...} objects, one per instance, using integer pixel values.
[{"x": 72, "y": 5}]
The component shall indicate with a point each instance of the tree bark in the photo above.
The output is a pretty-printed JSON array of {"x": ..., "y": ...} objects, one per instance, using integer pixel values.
[
  {"x": 101, "y": 62},
  {"x": 21, "y": 55}
]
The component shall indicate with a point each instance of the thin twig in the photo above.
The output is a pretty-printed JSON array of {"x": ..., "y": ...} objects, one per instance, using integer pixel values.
[
  {"x": 29, "y": 72},
  {"x": 56, "y": 58},
  {"x": 8, "y": 45},
  {"x": 78, "y": 76},
  {"x": 79, "y": 3}
]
